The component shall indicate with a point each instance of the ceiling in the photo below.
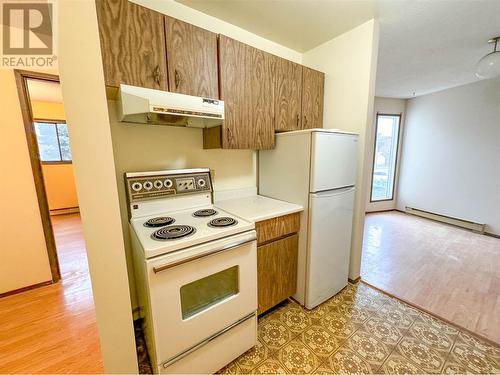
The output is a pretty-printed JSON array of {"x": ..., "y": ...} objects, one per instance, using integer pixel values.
[
  {"x": 425, "y": 46},
  {"x": 430, "y": 46},
  {"x": 44, "y": 91},
  {"x": 297, "y": 24}
]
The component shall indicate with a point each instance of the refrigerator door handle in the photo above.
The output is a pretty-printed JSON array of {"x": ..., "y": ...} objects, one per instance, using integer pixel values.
[{"x": 332, "y": 192}]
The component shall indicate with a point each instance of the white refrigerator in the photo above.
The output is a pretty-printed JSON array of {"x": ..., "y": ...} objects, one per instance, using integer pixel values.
[{"x": 316, "y": 168}]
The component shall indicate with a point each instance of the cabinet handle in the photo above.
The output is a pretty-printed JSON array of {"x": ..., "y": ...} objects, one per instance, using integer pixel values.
[
  {"x": 177, "y": 79},
  {"x": 305, "y": 121},
  {"x": 156, "y": 74},
  {"x": 298, "y": 119}
]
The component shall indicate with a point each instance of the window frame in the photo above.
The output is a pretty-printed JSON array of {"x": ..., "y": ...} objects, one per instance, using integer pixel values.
[
  {"x": 399, "y": 116},
  {"x": 55, "y": 123}
]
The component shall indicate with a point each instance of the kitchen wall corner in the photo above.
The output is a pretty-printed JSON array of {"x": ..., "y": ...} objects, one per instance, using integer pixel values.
[{"x": 350, "y": 65}]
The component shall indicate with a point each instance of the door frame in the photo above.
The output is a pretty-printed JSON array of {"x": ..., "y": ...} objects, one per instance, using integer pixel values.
[{"x": 21, "y": 77}]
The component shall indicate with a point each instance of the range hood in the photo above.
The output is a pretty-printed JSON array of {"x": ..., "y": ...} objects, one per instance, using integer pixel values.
[{"x": 156, "y": 107}]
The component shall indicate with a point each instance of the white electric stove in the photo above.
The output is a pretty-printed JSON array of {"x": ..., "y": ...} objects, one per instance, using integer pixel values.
[{"x": 196, "y": 272}]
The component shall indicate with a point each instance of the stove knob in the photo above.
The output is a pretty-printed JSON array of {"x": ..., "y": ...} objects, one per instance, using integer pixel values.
[
  {"x": 168, "y": 183},
  {"x": 148, "y": 185},
  {"x": 158, "y": 184},
  {"x": 136, "y": 186},
  {"x": 201, "y": 183}
]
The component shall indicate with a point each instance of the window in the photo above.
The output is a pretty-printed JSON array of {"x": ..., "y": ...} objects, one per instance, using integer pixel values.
[
  {"x": 384, "y": 158},
  {"x": 53, "y": 142},
  {"x": 199, "y": 295}
]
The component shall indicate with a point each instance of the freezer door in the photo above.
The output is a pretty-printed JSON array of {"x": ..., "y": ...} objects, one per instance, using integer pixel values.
[
  {"x": 334, "y": 161},
  {"x": 329, "y": 247}
]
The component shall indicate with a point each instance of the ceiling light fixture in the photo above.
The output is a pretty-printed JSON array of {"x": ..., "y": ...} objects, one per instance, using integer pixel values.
[{"x": 489, "y": 65}]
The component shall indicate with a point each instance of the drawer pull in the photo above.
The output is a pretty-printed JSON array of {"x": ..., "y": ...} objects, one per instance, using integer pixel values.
[{"x": 178, "y": 357}]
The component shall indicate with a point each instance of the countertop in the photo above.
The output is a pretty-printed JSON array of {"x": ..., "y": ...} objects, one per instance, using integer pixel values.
[{"x": 257, "y": 207}]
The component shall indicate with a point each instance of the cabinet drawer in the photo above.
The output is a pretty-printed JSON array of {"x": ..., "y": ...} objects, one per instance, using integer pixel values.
[
  {"x": 278, "y": 227},
  {"x": 276, "y": 271}
]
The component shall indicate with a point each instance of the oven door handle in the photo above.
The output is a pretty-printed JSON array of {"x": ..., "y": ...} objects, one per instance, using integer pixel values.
[{"x": 199, "y": 256}]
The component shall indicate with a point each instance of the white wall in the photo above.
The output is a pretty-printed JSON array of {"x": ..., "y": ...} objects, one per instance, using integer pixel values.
[
  {"x": 390, "y": 106},
  {"x": 451, "y": 153},
  {"x": 82, "y": 83},
  {"x": 350, "y": 62}
]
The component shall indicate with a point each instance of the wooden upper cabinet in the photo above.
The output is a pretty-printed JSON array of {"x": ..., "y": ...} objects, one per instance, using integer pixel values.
[
  {"x": 287, "y": 95},
  {"x": 312, "y": 98},
  {"x": 191, "y": 59},
  {"x": 246, "y": 86},
  {"x": 132, "y": 44}
]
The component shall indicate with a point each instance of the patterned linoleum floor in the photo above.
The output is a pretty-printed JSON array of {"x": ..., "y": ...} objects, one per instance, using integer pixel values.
[{"x": 361, "y": 330}]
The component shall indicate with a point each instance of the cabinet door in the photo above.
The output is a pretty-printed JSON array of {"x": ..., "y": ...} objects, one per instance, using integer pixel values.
[
  {"x": 191, "y": 59},
  {"x": 276, "y": 271},
  {"x": 132, "y": 44},
  {"x": 246, "y": 86},
  {"x": 287, "y": 95},
  {"x": 312, "y": 98}
]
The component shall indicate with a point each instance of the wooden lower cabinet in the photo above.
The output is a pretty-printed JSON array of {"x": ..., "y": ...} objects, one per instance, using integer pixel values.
[{"x": 276, "y": 271}]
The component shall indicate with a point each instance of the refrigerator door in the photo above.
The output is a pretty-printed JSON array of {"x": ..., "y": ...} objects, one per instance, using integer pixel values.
[
  {"x": 334, "y": 161},
  {"x": 329, "y": 247}
]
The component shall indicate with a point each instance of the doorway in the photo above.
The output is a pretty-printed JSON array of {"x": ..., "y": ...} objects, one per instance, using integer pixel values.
[
  {"x": 51, "y": 160},
  {"x": 53, "y": 323}
]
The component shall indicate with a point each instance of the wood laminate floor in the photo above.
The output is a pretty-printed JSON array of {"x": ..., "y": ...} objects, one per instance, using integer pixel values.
[
  {"x": 53, "y": 329},
  {"x": 450, "y": 272}
]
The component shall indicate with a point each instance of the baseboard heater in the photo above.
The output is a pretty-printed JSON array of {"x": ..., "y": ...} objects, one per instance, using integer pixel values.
[{"x": 476, "y": 227}]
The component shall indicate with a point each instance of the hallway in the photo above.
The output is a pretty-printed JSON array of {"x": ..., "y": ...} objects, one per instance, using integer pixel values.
[
  {"x": 450, "y": 272},
  {"x": 52, "y": 329}
]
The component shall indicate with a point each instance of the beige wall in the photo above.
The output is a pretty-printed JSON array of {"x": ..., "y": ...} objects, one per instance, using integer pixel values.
[
  {"x": 59, "y": 178},
  {"x": 451, "y": 152},
  {"x": 349, "y": 62},
  {"x": 23, "y": 256},
  {"x": 60, "y": 186},
  {"x": 47, "y": 110},
  {"x": 391, "y": 106},
  {"x": 82, "y": 84}
]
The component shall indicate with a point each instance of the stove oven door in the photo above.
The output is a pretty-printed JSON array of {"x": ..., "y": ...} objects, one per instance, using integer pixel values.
[{"x": 198, "y": 292}]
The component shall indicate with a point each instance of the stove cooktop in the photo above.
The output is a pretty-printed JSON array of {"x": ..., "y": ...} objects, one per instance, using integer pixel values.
[{"x": 170, "y": 231}]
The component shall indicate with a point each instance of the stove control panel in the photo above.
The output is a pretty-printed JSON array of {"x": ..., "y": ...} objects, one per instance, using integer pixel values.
[{"x": 152, "y": 186}]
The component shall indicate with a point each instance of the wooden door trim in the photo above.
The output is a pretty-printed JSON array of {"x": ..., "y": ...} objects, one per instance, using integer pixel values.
[{"x": 36, "y": 166}]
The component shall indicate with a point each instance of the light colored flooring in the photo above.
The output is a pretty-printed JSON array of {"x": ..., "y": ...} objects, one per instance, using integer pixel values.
[
  {"x": 450, "y": 272},
  {"x": 53, "y": 329},
  {"x": 362, "y": 331}
]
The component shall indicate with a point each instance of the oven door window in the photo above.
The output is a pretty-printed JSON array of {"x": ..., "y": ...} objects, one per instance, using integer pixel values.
[{"x": 199, "y": 295}]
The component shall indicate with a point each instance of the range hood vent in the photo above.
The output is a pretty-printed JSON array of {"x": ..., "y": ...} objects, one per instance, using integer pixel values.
[{"x": 156, "y": 107}]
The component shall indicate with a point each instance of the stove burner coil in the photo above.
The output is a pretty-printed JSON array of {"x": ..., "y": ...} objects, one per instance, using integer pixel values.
[
  {"x": 173, "y": 232},
  {"x": 159, "y": 222},
  {"x": 205, "y": 212},
  {"x": 221, "y": 222}
]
